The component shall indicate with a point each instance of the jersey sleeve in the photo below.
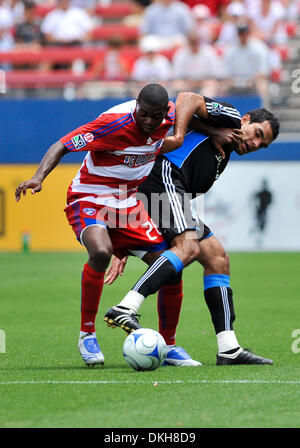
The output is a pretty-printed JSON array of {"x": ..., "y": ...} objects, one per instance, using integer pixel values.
[
  {"x": 222, "y": 114},
  {"x": 171, "y": 112},
  {"x": 102, "y": 134}
]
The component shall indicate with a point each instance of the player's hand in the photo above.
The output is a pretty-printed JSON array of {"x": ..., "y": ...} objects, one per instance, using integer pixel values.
[
  {"x": 116, "y": 268},
  {"x": 34, "y": 184},
  {"x": 225, "y": 136}
]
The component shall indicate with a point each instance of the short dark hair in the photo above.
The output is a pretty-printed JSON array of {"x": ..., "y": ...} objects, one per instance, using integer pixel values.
[
  {"x": 154, "y": 95},
  {"x": 262, "y": 114},
  {"x": 29, "y": 4}
]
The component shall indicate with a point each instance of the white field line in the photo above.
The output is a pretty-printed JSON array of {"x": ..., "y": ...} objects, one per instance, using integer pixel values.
[{"x": 204, "y": 381}]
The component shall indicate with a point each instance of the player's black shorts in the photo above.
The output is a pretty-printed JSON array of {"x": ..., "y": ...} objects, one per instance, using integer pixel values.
[{"x": 168, "y": 203}]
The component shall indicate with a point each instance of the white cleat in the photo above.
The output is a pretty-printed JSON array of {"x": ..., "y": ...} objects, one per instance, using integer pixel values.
[
  {"x": 89, "y": 349},
  {"x": 177, "y": 356}
]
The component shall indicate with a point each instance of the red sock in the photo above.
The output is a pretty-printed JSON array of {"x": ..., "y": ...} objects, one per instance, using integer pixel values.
[
  {"x": 169, "y": 302},
  {"x": 91, "y": 289}
]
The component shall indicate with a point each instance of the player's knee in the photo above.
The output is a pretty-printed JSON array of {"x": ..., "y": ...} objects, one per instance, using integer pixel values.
[
  {"x": 191, "y": 251},
  {"x": 219, "y": 263},
  {"x": 186, "y": 246},
  {"x": 100, "y": 258}
]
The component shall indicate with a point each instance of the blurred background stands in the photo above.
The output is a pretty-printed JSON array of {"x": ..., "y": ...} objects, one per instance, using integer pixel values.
[{"x": 103, "y": 60}]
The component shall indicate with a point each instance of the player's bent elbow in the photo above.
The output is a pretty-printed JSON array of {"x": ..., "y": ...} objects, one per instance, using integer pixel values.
[
  {"x": 191, "y": 97},
  {"x": 178, "y": 141}
]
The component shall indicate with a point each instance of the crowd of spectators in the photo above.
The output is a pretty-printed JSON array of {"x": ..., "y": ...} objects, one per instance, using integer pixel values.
[{"x": 207, "y": 45}]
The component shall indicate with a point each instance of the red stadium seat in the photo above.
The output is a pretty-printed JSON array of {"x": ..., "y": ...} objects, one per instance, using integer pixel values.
[
  {"x": 283, "y": 50},
  {"x": 34, "y": 79},
  {"x": 41, "y": 11},
  {"x": 116, "y": 10},
  {"x": 291, "y": 29},
  {"x": 276, "y": 75},
  {"x": 43, "y": 78},
  {"x": 50, "y": 54},
  {"x": 106, "y": 31}
]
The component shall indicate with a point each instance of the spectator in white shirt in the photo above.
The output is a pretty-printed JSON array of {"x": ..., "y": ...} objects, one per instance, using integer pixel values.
[
  {"x": 151, "y": 66},
  {"x": 234, "y": 13},
  {"x": 196, "y": 65},
  {"x": 170, "y": 20},
  {"x": 247, "y": 64},
  {"x": 6, "y": 25},
  {"x": 268, "y": 20},
  {"x": 66, "y": 25},
  {"x": 6, "y": 16},
  {"x": 206, "y": 25}
]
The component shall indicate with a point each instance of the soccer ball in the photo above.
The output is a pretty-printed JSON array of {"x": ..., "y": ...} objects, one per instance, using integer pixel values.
[{"x": 144, "y": 349}]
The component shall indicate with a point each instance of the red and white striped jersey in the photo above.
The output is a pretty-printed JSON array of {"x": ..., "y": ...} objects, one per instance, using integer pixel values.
[{"x": 119, "y": 156}]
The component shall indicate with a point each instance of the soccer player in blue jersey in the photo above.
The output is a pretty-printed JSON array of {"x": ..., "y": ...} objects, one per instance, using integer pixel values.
[{"x": 193, "y": 168}]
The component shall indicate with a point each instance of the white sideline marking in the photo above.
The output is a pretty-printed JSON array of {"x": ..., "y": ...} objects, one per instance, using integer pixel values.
[{"x": 151, "y": 382}]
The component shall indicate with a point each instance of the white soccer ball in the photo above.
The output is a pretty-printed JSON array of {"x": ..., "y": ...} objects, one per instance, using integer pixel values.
[{"x": 144, "y": 349}]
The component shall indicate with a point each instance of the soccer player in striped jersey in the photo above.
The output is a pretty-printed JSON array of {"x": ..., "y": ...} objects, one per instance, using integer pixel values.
[
  {"x": 192, "y": 169},
  {"x": 122, "y": 145}
]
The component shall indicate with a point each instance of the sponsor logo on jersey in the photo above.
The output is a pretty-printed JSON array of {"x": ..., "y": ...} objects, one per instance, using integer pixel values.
[
  {"x": 216, "y": 109},
  {"x": 88, "y": 137},
  {"x": 149, "y": 141},
  {"x": 139, "y": 160},
  {"x": 89, "y": 211},
  {"x": 78, "y": 141}
]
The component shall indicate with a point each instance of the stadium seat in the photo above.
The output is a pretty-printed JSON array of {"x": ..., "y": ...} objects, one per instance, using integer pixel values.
[
  {"x": 34, "y": 79},
  {"x": 50, "y": 54},
  {"x": 283, "y": 50},
  {"x": 276, "y": 75},
  {"x": 41, "y": 11},
  {"x": 291, "y": 29},
  {"x": 106, "y": 31},
  {"x": 114, "y": 11}
]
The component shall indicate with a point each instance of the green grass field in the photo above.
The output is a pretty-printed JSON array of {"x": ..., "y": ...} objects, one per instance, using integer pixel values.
[{"x": 44, "y": 383}]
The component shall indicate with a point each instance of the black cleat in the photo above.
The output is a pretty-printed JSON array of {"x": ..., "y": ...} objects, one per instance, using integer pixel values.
[
  {"x": 244, "y": 357},
  {"x": 122, "y": 317}
]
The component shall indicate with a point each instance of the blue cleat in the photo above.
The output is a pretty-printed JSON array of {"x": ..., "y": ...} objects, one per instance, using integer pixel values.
[
  {"x": 89, "y": 349},
  {"x": 177, "y": 356}
]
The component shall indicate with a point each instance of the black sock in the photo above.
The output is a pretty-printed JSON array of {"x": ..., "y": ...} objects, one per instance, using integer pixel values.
[
  {"x": 158, "y": 274},
  {"x": 220, "y": 304}
]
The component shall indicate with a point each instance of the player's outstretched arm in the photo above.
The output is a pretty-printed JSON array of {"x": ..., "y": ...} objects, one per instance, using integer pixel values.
[{"x": 49, "y": 161}]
